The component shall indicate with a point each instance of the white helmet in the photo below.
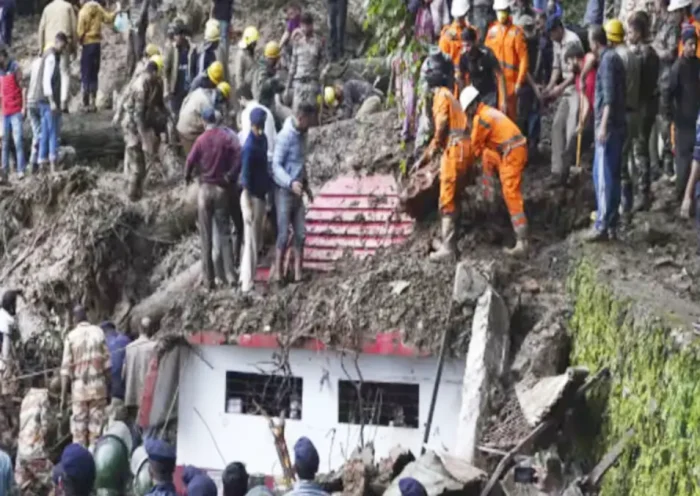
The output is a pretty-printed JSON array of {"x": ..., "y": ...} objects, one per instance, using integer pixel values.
[
  {"x": 468, "y": 96},
  {"x": 679, "y": 4},
  {"x": 502, "y": 4},
  {"x": 459, "y": 8}
]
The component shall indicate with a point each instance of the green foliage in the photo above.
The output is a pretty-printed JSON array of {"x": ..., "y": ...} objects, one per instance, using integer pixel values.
[
  {"x": 389, "y": 23},
  {"x": 655, "y": 390}
]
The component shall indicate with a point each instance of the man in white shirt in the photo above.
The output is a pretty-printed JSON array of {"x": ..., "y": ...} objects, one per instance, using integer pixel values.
[
  {"x": 32, "y": 106},
  {"x": 561, "y": 84},
  {"x": 244, "y": 125}
]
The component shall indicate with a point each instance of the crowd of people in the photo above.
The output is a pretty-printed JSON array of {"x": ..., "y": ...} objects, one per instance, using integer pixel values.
[
  {"x": 628, "y": 88},
  {"x": 621, "y": 86}
]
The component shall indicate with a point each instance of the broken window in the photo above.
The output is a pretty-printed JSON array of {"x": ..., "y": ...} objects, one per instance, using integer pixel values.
[
  {"x": 379, "y": 403},
  {"x": 259, "y": 394}
]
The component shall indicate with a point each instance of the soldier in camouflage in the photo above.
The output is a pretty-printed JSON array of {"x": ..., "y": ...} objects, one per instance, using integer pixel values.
[
  {"x": 304, "y": 73},
  {"x": 638, "y": 35},
  {"x": 666, "y": 46},
  {"x": 33, "y": 467},
  {"x": 140, "y": 116}
]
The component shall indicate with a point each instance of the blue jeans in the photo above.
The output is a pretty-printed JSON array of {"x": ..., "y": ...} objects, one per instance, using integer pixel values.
[
  {"x": 290, "y": 210},
  {"x": 607, "y": 179},
  {"x": 35, "y": 120},
  {"x": 12, "y": 127},
  {"x": 50, "y": 127}
]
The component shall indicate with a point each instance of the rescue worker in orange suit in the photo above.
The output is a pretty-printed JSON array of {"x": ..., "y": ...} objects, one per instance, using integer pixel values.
[
  {"x": 450, "y": 42},
  {"x": 492, "y": 131},
  {"x": 452, "y": 138},
  {"x": 508, "y": 43}
]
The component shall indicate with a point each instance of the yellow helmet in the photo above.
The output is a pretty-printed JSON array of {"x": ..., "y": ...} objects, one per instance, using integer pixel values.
[
  {"x": 211, "y": 31},
  {"x": 216, "y": 72},
  {"x": 614, "y": 30},
  {"x": 158, "y": 60},
  {"x": 224, "y": 88},
  {"x": 272, "y": 50},
  {"x": 329, "y": 96},
  {"x": 151, "y": 50},
  {"x": 250, "y": 36}
]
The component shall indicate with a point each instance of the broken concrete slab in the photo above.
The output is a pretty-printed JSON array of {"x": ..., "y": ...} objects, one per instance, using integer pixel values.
[
  {"x": 538, "y": 401},
  {"x": 486, "y": 362},
  {"x": 430, "y": 471},
  {"x": 471, "y": 281},
  {"x": 544, "y": 352}
]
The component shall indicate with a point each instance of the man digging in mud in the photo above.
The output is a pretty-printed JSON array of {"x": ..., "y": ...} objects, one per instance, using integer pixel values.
[
  {"x": 142, "y": 97},
  {"x": 216, "y": 156},
  {"x": 33, "y": 466}
]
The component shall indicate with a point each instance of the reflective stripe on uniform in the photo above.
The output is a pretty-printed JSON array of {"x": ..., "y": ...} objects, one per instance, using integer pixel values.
[{"x": 511, "y": 143}]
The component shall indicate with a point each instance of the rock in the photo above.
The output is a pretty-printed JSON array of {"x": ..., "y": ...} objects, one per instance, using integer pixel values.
[
  {"x": 104, "y": 100},
  {"x": 486, "y": 361},
  {"x": 538, "y": 401},
  {"x": 430, "y": 471},
  {"x": 470, "y": 281},
  {"x": 66, "y": 157},
  {"x": 544, "y": 352}
]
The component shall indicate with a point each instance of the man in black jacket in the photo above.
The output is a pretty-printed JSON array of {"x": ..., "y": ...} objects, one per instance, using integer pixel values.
[{"x": 683, "y": 94}]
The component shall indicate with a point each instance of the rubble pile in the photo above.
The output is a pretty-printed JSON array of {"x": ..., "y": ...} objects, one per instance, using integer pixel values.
[{"x": 394, "y": 290}]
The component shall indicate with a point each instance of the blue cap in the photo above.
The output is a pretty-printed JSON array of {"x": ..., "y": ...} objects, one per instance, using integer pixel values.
[
  {"x": 159, "y": 451},
  {"x": 305, "y": 455},
  {"x": 209, "y": 115},
  {"x": 258, "y": 116},
  {"x": 201, "y": 485},
  {"x": 688, "y": 33},
  {"x": 77, "y": 465},
  {"x": 411, "y": 487}
]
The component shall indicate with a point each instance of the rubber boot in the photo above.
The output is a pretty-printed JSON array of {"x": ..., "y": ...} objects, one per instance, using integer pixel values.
[
  {"x": 86, "y": 101},
  {"x": 521, "y": 245},
  {"x": 449, "y": 240},
  {"x": 93, "y": 103}
]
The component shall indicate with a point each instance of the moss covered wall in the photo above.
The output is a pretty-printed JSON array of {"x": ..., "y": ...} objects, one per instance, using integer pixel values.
[{"x": 655, "y": 389}]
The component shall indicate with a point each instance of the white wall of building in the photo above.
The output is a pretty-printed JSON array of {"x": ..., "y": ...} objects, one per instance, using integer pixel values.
[{"x": 247, "y": 438}]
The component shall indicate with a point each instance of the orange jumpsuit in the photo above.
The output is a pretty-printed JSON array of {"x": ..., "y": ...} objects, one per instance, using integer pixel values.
[
  {"x": 452, "y": 135},
  {"x": 504, "y": 148},
  {"x": 450, "y": 43},
  {"x": 507, "y": 42}
]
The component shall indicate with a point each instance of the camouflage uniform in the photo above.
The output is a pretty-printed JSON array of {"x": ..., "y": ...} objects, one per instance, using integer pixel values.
[
  {"x": 305, "y": 71},
  {"x": 266, "y": 86},
  {"x": 33, "y": 467},
  {"x": 86, "y": 362},
  {"x": 666, "y": 46},
  {"x": 648, "y": 109},
  {"x": 140, "y": 113}
]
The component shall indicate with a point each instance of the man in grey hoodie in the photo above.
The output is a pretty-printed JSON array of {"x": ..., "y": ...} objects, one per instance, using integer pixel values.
[{"x": 289, "y": 175}]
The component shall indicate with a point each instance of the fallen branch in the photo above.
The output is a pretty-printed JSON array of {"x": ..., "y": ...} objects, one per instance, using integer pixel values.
[
  {"x": 505, "y": 463},
  {"x": 591, "y": 481},
  {"x": 211, "y": 435}
]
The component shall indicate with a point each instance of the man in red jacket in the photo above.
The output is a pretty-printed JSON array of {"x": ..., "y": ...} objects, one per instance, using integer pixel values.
[{"x": 12, "y": 107}]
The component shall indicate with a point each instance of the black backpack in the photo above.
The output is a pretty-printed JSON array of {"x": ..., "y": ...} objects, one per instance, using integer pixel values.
[{"x": 582, "y": 34}]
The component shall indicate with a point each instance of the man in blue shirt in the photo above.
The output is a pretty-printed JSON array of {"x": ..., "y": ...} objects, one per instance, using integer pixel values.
[
  {"x": 161, "y": 459},
  {"x": 116, "y": 344},
  {"x": 289, "y": 174},
  {"x": 75, "y": 474},
  {"x": 306, "y": 463},
  {"x": 610, "y": 135},
  {"x": 255, "y": 182}
]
